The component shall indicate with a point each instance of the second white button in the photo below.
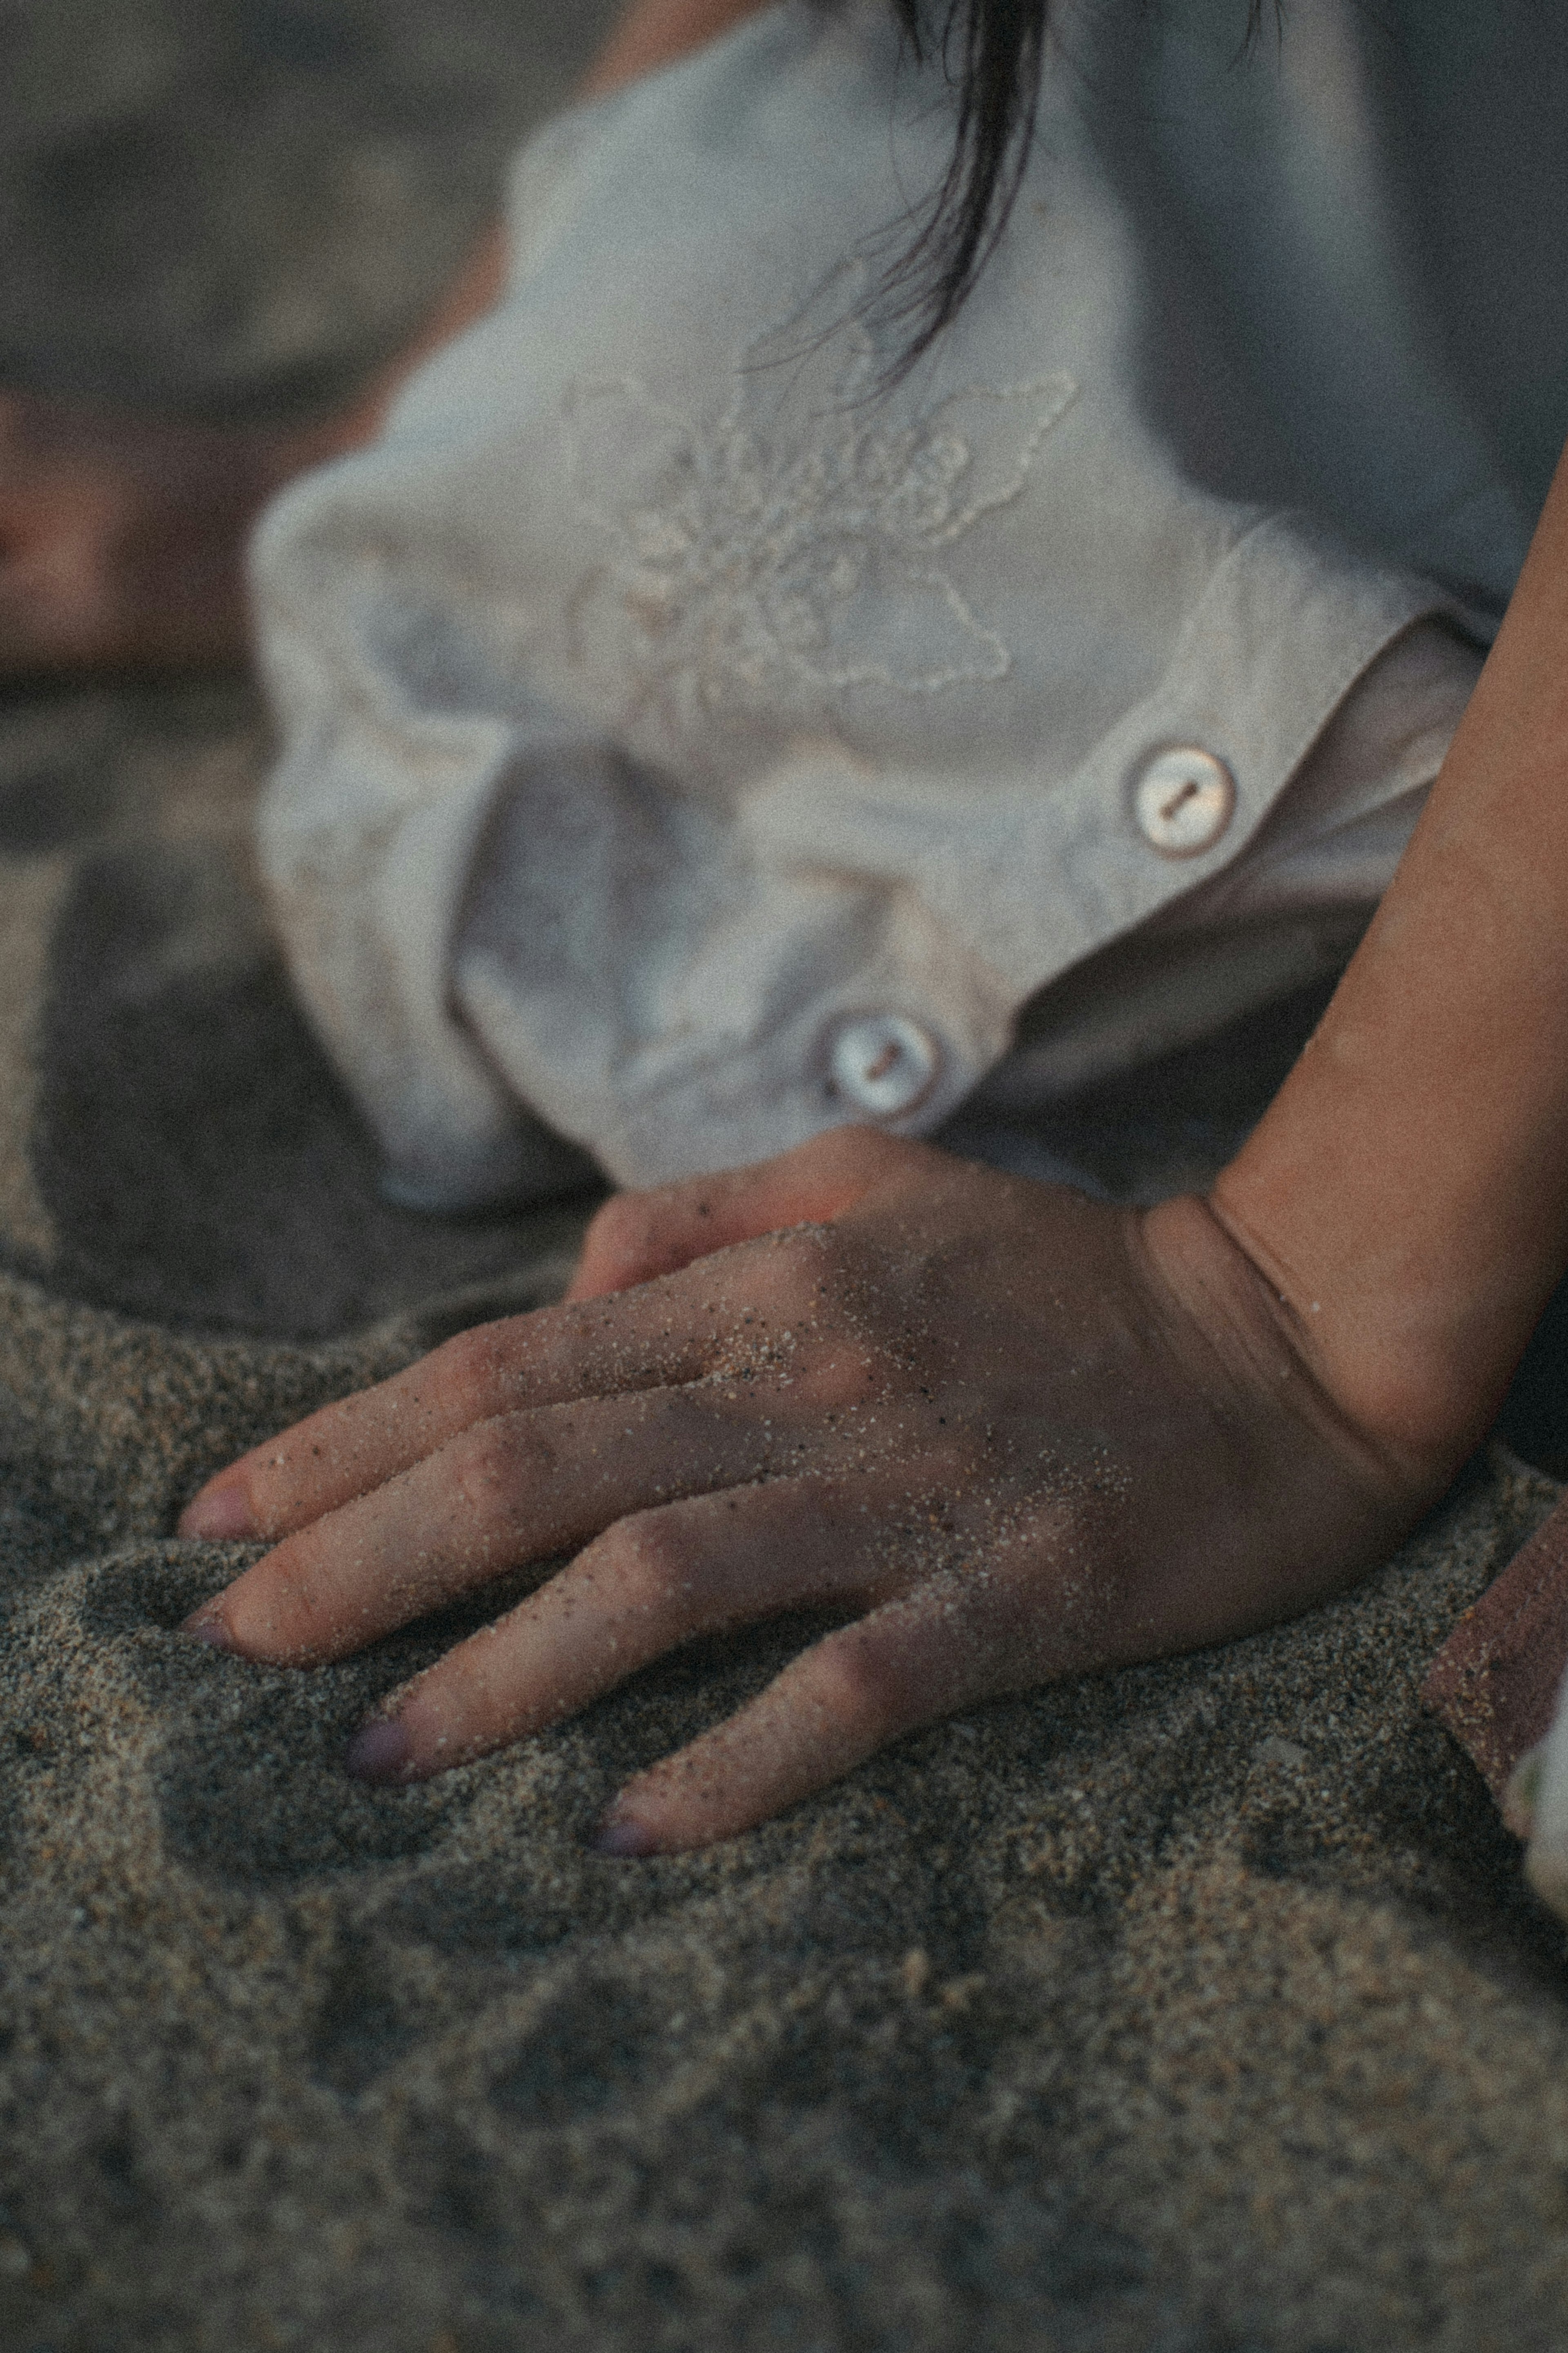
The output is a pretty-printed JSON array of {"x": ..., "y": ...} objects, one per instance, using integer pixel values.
[{"x": 883, "y": 1063}]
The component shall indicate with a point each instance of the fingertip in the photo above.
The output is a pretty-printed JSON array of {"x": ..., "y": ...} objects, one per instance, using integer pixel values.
[
  {"x": 207, "y": 1625},
  {"x": 623, "y": 1836},
  {"x": 220, "y": 1514},
  {"x": 380, "y": 1751}
]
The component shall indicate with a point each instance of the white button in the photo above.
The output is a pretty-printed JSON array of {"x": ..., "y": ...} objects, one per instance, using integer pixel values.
[
  {"x": 883, "y": 1063},
  {"x": 1184, "y": 800}
]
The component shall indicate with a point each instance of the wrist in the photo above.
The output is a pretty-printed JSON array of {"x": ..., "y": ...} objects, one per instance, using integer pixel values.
[
  {"x": 1412, "y": 1345},
  {"x": 1406, "y": 1197},
  {"x": 1399, "y": 1441}
]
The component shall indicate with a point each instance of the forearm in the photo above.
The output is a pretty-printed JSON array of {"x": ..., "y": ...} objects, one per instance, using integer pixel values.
[{"x": 1407, "y": 1193}]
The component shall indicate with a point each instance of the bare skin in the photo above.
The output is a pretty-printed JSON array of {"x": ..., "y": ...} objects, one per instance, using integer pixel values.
[
  {"x": 1004, "y": 1433},
  {"x": 1011, "y": 1433},
  {"x": 1007, "y": 1433},
  {"x": 123, "y": 536}
]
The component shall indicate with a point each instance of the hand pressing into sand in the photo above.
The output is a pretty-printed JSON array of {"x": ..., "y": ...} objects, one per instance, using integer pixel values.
[{"x": 1007, "y": 1433}]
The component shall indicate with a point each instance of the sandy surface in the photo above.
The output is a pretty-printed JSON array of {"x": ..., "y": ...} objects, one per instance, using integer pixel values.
[{"x": 1196, "y": 2010}]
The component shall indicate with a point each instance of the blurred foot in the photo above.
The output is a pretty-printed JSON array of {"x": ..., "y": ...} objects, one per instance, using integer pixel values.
[{"x": 123, "y": 538}]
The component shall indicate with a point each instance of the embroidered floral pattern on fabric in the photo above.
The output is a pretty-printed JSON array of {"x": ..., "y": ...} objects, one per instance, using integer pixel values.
[{"x": 791, "y": 548}]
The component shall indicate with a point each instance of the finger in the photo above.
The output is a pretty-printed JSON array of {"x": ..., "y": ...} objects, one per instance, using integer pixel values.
[
  {"x": 521, "y": 1362},
  {"x": 919, "y": 1657},
  {"x": 655, "y": 1579},
  {"x": 728, "y": 1310},
  {"x": 516, "y": 1489},
  {"x": 638, "y": 1236}
]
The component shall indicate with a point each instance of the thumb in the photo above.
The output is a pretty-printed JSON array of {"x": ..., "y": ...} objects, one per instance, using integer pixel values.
[{"x": 636, "y": 1236}]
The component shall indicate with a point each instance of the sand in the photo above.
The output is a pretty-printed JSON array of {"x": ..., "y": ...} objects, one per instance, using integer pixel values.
[
  {"x": 1194, "y": 2010},
  {"x": 1197, "y": 2008}
]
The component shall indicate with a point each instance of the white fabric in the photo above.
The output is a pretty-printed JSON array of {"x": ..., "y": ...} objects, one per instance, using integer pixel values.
[{"x": 663, "y": 691}]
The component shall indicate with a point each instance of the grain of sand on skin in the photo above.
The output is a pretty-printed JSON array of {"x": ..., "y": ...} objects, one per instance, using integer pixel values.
[{"x": 1195, "y": 2008}]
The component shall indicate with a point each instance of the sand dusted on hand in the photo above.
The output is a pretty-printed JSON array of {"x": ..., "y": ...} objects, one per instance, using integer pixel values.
[{"x": 1197, "y": 2006}]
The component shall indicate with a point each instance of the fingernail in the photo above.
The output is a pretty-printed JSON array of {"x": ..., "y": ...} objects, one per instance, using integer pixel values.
[
  {"x": 618, "y": 1834},
  {"x": 378, "y": 1751},
  {"x": 206, "y": 1626},
  {"x": 219, "y": 1514}
]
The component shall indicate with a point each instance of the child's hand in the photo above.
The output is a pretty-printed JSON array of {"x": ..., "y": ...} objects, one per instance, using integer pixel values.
[{"x": 1009, "y": 1433}]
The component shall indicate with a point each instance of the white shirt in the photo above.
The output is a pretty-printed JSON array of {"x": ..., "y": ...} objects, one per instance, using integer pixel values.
[{"x": 689, "y": 742}]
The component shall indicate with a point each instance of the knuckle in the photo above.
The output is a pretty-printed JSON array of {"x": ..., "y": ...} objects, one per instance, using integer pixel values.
[
  {"x": 502, "y": 1461},
  {"x": 647, "y": 1558},
  {"x": 861, "y": 1683},
  {"x": 624, "y": 1228},
  {"x": 471, "y": 1373},
  {"x": 811, "y": 1282},
  {"x": 813, "y": 1266},
  {"x": 844, "y": 1374}
]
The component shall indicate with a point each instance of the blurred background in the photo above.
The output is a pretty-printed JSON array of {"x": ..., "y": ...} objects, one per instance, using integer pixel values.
[
  {"x": 242, "y": 206},
  {"x": 229, "y": 208}
]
